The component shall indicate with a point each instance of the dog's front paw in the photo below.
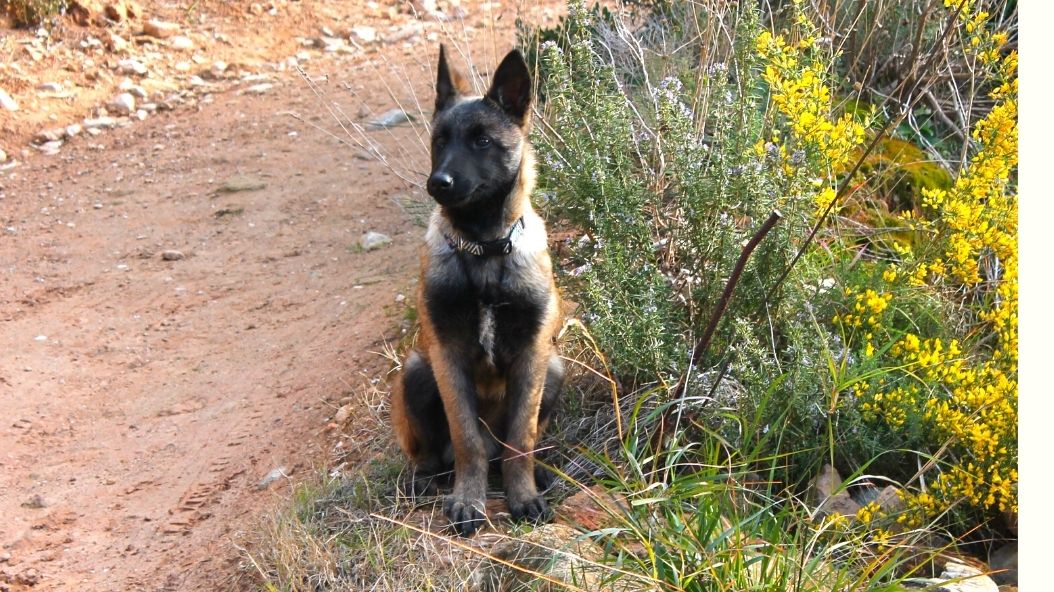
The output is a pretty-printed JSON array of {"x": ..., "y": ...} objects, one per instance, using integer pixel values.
[
  {"x": 465, "y": 513},
  {"x": 533, "y": 509}
]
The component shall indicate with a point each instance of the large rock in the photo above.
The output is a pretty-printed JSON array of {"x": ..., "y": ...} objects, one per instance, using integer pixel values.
[
  {"x": 555, "y": 550},
  {"x": 828, "y": 497},
  {"x": 1004, "y": 563},
  {"x": 957, "y": 577}
]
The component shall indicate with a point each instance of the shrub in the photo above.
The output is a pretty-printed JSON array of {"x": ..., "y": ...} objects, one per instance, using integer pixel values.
[{"x": 26, "y": 13}]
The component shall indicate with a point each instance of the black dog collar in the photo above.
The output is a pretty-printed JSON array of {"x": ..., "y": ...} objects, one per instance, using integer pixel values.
[{"x": 501, "y": 246}]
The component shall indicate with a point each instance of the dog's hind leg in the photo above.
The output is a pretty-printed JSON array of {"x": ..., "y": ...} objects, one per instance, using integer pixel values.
[
  {"x": 554, "y": 384},
  {"x": 420, "y": 424}
]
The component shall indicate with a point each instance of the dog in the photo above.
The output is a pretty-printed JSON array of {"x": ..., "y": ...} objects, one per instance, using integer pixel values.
[{"x": 484, "y": 376}]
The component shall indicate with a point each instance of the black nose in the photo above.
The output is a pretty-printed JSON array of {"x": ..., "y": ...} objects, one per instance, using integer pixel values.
[{"x": 440, "y": 184}]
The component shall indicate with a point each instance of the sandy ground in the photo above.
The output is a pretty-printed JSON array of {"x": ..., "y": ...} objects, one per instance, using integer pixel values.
[{"x": 143, "y": 400}]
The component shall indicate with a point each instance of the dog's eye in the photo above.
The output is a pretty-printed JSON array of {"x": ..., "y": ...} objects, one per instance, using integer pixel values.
[
  {"x": 482, "y": 141},
  {"x": 439, "y": 142}
]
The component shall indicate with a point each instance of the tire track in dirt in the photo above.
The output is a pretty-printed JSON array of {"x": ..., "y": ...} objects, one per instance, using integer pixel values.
[{"x": 144, "y": 399}]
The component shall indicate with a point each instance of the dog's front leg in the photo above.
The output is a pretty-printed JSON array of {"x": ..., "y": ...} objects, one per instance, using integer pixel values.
[
  {"x": 524, "y": 396},
  {"x": 465, "y": 505}
]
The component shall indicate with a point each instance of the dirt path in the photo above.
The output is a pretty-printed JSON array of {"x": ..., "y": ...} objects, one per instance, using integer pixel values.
[{"x": 142, "y": 400}]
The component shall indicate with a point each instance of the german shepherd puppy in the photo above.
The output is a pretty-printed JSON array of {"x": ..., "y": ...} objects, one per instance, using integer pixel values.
[{"x": 485, "y": 376}]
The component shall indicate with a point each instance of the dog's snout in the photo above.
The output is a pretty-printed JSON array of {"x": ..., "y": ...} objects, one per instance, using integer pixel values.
[{"x": 440, "y": 184}]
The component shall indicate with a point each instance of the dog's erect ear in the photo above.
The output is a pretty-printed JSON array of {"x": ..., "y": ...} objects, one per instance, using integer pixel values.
[
  {"x": 511, "y": 88},
  {"x": 450, "y": 84}
]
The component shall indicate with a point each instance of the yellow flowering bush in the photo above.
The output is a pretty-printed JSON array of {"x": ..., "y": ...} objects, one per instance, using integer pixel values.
[
  {"x": 800, "y": 93},
  {"x": 961, "y": 390}
]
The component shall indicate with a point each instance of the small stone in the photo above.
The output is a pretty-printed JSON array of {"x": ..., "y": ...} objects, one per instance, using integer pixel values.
[
  {"x": 242, "y": 183},
  {"x": 3, "y": 155},
  {"x": 40, "y": 338},
  {"x": 275, "y": 474},
  {"x": 181, "y": 43},
  {"x": 133, "y": 89},
  {"x": 35, "y": 502},
  {"x": 256, "y": 8},
  {"x": 50, "y": 148},
  {"x": 100, "y": 122},
  {"x": 160, "y": 29},
  {"x": 122, "y": 104},
  {"x": 172, "y": 255},
  {"x": 51, "y": 135},
  {"x": 5, "y": 557},
  {"x": 115, "y": 42},
  {"x": 364, "y": 34},
  {"x": 390, "y": 118},
  {"x": 6, "y": 102},
  {"x": 73, "y": 130},
  {"x": 400, "y": 298},
  {"x": 258, "y": 89},
  {"x": 218, "y": 68},
  {"x": 342, "y": 415},
  {"x": 49, "y": 87},
  {"x": 374, "y": 240},
  {"x": 407, "y": 33},
  {"x": 131, "y": 66}
]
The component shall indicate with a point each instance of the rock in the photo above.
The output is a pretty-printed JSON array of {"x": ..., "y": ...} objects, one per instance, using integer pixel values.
[
  {"x": 242, "y": 183},
  {"x": 364, "y": 34},
  {"x": 131, "y": 66},
  {"x": 342, "y": 415},
  {"x": 181, "y": 43},
  {"x": 49, "y": 87},
  {"x": 592, "y": 508},
  {"x": 172, "y": 255},
  {"x": 967, "y": 579},
  {"x": 3, "y": 155},
  {"x": 556, "y": 550},
  {"x": 85, "y": 12},
  {"x": 122, "y": 104},
  {"x": 374, "y": 240},
  {"x": 1004, "y": 561},
  {"x": 160, "y": 29},
  {"x": 825, "y": 496},
  {"x": 258, "y": 89},
  {"x": 256, "y": 8},
  {"x": 6, "y": 102},
  {"x": 275, "y": 474},
  {"x": 35, "y": 502},
  {"x": 407, "y": 33},
  {"x": 390, "y": 118},
  {"x": 122, "y": 10},
  {"x": 49, "y": 147},
  {"x": 73, "y": 130},
  {"x": 51, "y": 135},
  {"x": 218, "y": 68},
  {"x": 115, "y": 42},
  {"x": 100, "y": 122},
  {"x": 890, "y": 501}
]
